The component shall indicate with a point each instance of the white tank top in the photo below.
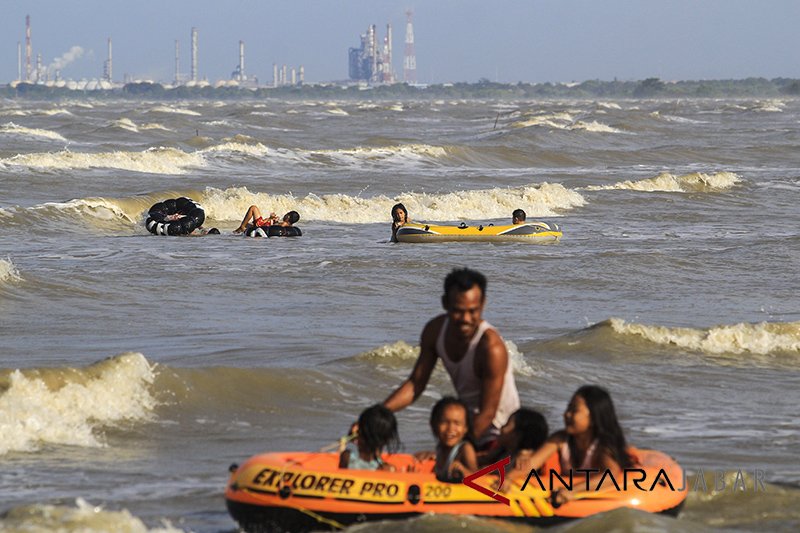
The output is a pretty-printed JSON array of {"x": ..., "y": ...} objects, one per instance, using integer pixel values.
[{"x": 468, "y": 385}]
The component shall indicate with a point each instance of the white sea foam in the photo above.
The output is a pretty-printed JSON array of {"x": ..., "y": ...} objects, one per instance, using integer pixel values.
[
  {"x": 761, "y": 338},
  {"x": 608, "y": 105},
  {"x": 538, "y": 200},
  {"x": 126, "y": 124},
  {"x": 401, "y": 350},
  {"x": 12, "y": 129},
  {"x": 666, "y": 182},
  {"x": 8, "y": 272},
  {"x": 99, "y": 208},
  {"x": 594, "y": 126},
  {"x": 70, "y": 406},
  {"x": 174, "y": 110},
  {"x": 153, "y": 160},
  {"x": 153, "y": 126},
  {"x": 82, "y": 518},
  {"x": 337, "y": 111}
]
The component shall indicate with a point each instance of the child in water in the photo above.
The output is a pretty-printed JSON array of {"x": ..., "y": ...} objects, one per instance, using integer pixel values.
[
  {"x": 591, "y": 439},
  {"x": 377, "y": 430},
  {"x": 455, "y": 456}
]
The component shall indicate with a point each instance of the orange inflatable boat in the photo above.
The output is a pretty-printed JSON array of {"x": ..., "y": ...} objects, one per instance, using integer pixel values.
[{"x": 301, "y": 491}]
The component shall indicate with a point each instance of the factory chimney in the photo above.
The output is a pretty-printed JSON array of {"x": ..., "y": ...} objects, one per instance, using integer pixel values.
[
  {"x": 194, "y": 55},
  {"x": 274, "y": 74},
  {"x": 177, "y": 62},
  {"x": 302, "y": 75},
  {"x": 410, "y": 60},
  {"x": 241, "y": 61},
  {"x": 388, "y": 71},
  {"x": 107, "y": 72},
  {"x": 19, "y": 61},
  {"x": 28, "y": 49}
]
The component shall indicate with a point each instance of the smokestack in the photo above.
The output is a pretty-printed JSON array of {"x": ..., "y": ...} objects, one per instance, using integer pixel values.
[
  {"x": 177, "y": 62},
  {"x": 274, "y": 74},
  {"x": 410, "y": 59},
  {"x": 19, "y": 61},
  {"x": 38, "y": 68},
  {"x": 388, "y": 70},
  {"x": 372, "y": 42},
  {"x": 108, "y": 74},
  {"x": 294, "y": 76},
  {"x": 283, "y": 75},
  {"x": 241, "y": 61},
  {"x": 194, "y": 55},
  {"x": 28, "y": 49},
  {"x": 302, "y": 75}
]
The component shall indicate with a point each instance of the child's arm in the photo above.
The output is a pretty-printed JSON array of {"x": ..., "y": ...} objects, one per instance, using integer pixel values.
[
  {"x": 467, "y": 459},
  {"x": 344, "y": 459}
]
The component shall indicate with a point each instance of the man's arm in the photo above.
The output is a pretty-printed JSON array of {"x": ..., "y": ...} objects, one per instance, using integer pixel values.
[
  {"x": 491, "y": 371},
  {"x": 412, "y": 387}
]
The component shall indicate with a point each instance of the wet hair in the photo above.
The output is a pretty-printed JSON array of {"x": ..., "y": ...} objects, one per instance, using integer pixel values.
[
  {"x": 530, "y": 428},
  {"x": 402, "y": 208},
  {"x": 519, "y": 214},
  {"x": 604, "y": 422},
  {"x": 438, "y": 412},
  {"x": 292, "y": 216},
  {"x": 377, "y": 429},
  {"x": 462, "y": 280}
]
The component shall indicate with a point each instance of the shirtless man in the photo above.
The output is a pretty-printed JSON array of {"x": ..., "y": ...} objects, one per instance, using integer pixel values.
[{"x": 473, "y": 353}]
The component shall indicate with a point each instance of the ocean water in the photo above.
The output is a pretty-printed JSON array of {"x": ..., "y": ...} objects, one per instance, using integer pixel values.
[{"x": 134, "y": 368}]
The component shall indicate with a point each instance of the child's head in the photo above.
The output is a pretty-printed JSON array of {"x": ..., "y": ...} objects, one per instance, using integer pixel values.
[
  {"x": 451, "y": 421},
  {"x": 591, "y": 411},
  {"x": 377, "y": 429},
  {"x": 526, "y": 429},
  {"x": 399, "y": 213}
]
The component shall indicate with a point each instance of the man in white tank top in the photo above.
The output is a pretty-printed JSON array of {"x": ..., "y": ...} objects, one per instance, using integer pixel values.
[{"x": 473, "y": 353}]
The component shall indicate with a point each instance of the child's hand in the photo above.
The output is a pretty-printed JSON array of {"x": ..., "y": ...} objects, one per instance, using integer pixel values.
[{"x": 424, "y": 456}]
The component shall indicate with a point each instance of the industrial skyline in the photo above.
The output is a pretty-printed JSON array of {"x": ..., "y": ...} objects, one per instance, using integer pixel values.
[{"x": 457, "y": 40}]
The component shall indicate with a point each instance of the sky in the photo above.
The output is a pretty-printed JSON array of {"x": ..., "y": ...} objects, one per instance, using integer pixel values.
[{"x": 456, "y": 40}]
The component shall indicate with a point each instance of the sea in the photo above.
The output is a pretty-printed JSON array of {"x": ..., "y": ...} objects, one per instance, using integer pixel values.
[{"x": 134, "y": 368}]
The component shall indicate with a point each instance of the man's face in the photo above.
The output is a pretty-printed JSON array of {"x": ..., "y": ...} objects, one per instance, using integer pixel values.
[{"x": 464, "y": 310}]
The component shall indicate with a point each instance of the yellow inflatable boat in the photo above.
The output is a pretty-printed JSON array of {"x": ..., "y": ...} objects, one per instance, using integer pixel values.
[
  {"x": 533, "y": 232},
  {"x": 300, "y": 491}
]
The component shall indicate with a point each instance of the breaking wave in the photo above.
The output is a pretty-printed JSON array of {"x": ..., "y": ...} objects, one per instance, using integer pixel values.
[
  {"x": 174, "y": 110},
  {"x": 762, "y": 338},
  {"x": 563, "y": 121},
  {"x": 70, "y": 406},
  {"x": 538, "y": 200},
  {"x": 666, "y": 182},
  {"x": 8, "y": 272},
  {"x": 153, "y": 160},
  {"x": 401, "y": 351},
  {"x": 21, "y": 131},
  {"x": 83, "y": 517}
]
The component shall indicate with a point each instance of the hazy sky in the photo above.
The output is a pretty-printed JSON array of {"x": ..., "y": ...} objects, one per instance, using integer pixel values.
[{"x": 456, "y": 40}]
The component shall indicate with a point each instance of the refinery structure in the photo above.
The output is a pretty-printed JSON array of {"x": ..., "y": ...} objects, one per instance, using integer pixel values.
[{"x": 370, "y": 64}]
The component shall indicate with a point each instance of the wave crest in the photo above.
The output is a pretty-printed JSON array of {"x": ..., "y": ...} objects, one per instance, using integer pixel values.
[
  {"x": 762, "y": 338},
  {"x": 12, "y": 129},
  {"x": 153, "y": 160},
  {"x": 666, "y": 182},
  {"x": 67, "y": 406}
]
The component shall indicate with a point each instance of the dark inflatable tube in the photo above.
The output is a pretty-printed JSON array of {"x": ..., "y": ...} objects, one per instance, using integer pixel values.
[
  {"x": 158, "y": 222},
  {"x": 274, "y": 231}
]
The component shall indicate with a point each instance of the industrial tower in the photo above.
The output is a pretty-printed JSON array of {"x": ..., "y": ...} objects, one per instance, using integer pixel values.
[
  {"x": 28, "y": 49},
  {"x": 410, "y": 59},
  {"x": 194, "y": 55},
  {"x": 107, "y": 67}
]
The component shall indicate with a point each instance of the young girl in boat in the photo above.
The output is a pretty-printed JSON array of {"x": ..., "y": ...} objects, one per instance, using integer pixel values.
[
  {"x": 377, "y": 432},
  {"x": 524, "y": 433},
  {"x": 591, "y": 439},
  {"x": 455, "y": 455}
]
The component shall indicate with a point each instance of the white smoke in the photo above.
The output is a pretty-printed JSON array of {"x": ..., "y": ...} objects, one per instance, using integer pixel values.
[{"x": 66, "y": 58}]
